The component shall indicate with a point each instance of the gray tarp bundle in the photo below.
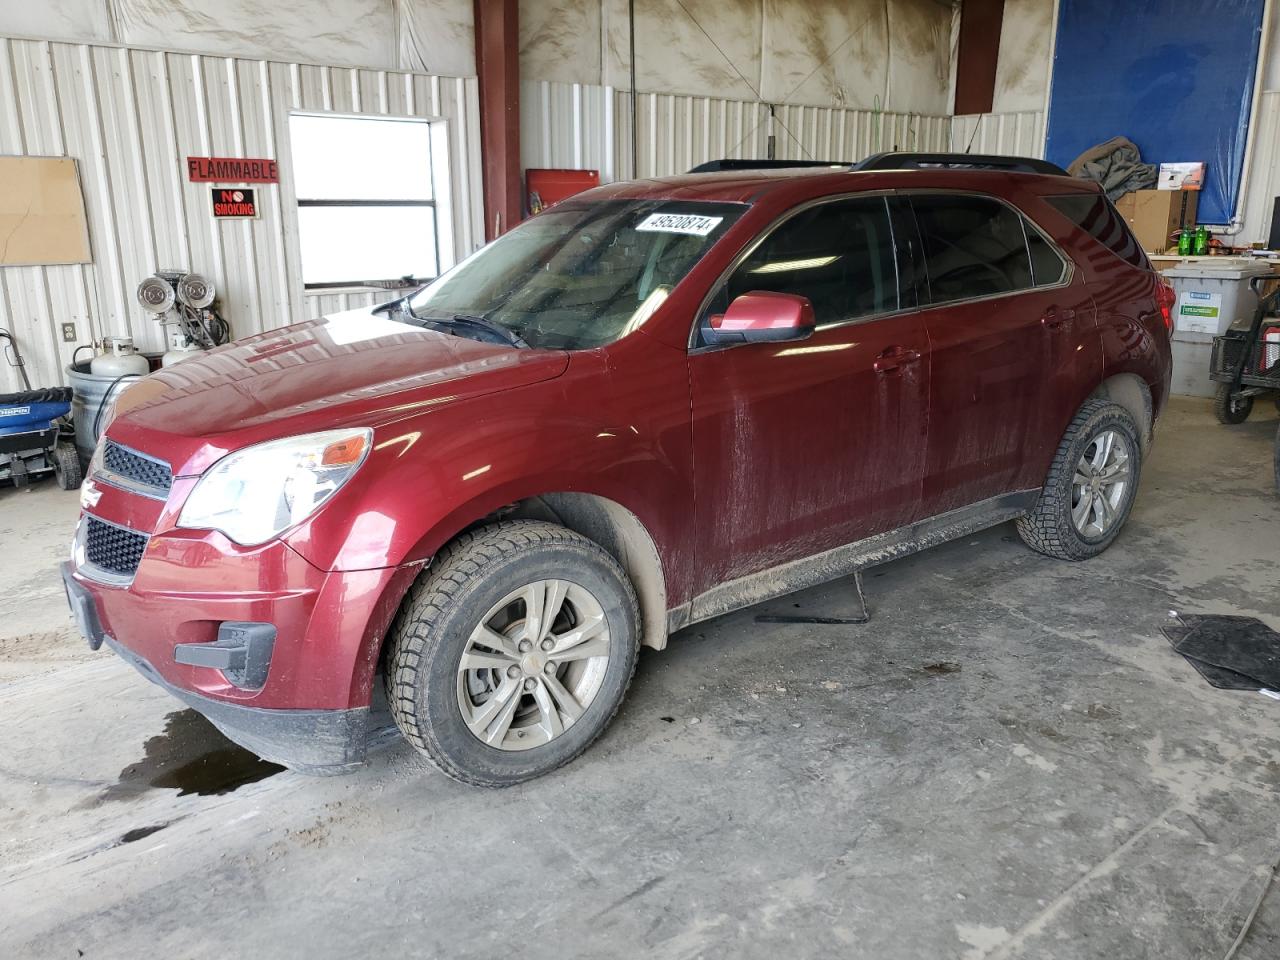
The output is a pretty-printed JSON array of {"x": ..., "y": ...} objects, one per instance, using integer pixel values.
[{"x": 1117, "y": 165}]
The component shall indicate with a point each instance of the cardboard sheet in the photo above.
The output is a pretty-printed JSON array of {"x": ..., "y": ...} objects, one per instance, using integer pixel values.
[{"x": 42, "y": 218}]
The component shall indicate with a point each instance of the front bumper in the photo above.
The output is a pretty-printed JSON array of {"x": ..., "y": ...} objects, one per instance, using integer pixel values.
[
  {"x": 308, "y": 707},
  {"x": 318, "y": 742}
]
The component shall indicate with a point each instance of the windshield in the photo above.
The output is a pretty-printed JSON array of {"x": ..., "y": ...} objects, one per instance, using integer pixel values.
[{"x": 581, "y": 274}]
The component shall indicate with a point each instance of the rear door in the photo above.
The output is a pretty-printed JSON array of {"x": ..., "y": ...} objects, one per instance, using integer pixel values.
[
  {"x": 1004, "y": 320},
  {"x": 800, "y": 447}
]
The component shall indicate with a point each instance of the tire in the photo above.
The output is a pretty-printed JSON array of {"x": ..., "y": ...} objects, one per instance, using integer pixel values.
[
  {"x": 436, "y": 703},
  {"x": 1053, "y": 527},
  {"x": 66, "y": 466},
  {"x": 1228, "y": 409}
]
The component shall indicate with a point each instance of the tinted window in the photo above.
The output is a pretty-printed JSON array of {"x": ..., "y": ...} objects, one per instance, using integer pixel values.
[
  {"x": 838, "y": 254},
  {"x": 1094, "y": 214},
  {"x": 1046, "y": 266},
  {"x": 973, "y": 247}
]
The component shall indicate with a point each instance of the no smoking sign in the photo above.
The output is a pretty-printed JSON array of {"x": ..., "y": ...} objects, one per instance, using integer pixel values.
[{"x": 238, "y": 203}]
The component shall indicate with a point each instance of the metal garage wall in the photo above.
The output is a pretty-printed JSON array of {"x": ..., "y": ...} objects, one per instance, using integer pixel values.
[
  {"x": 130, "y": 117},
  {"x": 587, "y": 126},
  {"x": 1015, "y": 134}
]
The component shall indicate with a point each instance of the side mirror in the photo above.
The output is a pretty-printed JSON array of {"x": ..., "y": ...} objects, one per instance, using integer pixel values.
[{"x": 762, "y": 316}]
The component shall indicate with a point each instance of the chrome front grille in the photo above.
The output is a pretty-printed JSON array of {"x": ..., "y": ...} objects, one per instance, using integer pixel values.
[
  {"x": 111, "y": 548},
  {"x": 136, "y": 471}
]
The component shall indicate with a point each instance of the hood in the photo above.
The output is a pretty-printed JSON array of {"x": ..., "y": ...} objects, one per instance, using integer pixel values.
[{"x": 345, "y": 369}]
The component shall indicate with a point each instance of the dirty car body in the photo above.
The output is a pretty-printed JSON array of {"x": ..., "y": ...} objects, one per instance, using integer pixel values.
[{"x": 755, "y": 382}]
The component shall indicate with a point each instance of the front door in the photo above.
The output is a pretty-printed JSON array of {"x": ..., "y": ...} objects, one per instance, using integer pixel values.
[
  {"x": 804, "y": 446},
  {"x": 1002, "y": 321}
]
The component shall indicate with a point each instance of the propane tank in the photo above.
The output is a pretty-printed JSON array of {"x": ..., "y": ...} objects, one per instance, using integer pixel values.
[
  {"x": 180, "y": 347},
  {"x": 120, "y": 359}
]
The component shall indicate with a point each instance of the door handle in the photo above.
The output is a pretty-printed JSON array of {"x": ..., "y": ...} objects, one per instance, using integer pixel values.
[
  {"x": 1054, "y": 318},
  {"x": 894, "y": 358}
]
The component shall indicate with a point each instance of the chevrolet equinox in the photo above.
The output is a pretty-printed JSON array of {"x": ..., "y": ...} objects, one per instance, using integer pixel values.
[{"x": 653, "y": 403}]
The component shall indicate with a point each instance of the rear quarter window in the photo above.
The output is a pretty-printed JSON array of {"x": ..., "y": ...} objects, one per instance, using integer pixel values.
[{"x": 1094, "y": 214}]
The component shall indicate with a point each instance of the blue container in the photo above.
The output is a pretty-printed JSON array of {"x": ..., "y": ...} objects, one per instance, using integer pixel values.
[{"x": 29, "y": 417}]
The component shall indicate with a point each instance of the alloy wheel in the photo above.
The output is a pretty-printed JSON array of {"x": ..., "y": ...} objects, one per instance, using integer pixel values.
[
  {"x": 533, "y": 664},
  {"x": 1100, "y": 484}
]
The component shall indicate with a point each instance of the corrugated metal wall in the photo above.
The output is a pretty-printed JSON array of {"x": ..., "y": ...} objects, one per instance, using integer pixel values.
[
  {"x": 583, "y": 126},
  {"x": 1015, "y": 134},
  {"x": 130, "y": 118}
]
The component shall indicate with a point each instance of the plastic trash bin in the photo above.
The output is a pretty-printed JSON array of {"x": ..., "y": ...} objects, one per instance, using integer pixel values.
[{"x": 1211, "y": 296}]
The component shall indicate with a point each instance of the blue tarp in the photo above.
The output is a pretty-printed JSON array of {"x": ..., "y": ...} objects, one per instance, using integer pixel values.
[{"x": 1174, "y": 76}]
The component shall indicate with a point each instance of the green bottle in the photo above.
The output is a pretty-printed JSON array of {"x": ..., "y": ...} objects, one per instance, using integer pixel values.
[
  {"x": 1202, "y": 240},
  {"x": 1184, "y": 243}
]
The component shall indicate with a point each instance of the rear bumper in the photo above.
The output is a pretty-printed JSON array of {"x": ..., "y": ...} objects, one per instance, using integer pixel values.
[{"x": 310, "y": 741}]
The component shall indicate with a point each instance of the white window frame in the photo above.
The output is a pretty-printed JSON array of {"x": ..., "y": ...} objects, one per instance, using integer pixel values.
[{"x": 440, "y": 202}]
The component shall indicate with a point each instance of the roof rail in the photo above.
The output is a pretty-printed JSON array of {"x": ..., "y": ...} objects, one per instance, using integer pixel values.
[
  {"x": 897, "y": 160},
  {"x": 718, "y": 166}
]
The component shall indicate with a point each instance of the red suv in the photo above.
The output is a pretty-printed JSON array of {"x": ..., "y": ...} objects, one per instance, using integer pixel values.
[{"x": 654, "y": 403}]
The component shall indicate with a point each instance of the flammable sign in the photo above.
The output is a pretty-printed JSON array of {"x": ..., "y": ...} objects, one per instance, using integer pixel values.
[{"x": 234, "y": 203}]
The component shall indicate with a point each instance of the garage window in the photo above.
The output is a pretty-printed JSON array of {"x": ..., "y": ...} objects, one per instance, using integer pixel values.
[{"x": 366, "y": 200}]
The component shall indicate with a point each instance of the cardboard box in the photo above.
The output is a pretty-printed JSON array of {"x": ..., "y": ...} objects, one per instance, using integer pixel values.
[
  {"x": 1155, "y": 216},
  {"x": 1180, "y": 176}
]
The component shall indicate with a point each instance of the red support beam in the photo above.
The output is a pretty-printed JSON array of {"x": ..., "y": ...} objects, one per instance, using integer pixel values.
[{"x": 498, "y": 67}]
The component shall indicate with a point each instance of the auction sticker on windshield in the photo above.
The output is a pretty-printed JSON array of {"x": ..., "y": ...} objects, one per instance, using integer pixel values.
[{"x": 679, "y": 223}]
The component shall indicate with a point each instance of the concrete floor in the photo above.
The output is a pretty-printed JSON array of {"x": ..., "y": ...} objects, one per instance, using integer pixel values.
[{"x": 1008, "y": 761}]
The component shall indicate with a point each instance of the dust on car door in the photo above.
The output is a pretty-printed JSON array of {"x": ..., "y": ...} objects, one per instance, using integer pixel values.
[
  {"x": 1004, "y": 321},
  {"x": 803, "y": 446}
]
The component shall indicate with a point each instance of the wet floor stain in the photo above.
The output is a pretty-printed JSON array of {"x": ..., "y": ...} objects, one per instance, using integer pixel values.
[
  {"x": 942, "y": 668},
  {"x": 141, "y": 833},
  {"x": 190, "y": 756}
]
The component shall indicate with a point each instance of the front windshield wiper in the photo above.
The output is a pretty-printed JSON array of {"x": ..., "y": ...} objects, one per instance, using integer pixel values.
[
  {"x": 505, "y": 334},
  {"x": 484, "y": 323}
]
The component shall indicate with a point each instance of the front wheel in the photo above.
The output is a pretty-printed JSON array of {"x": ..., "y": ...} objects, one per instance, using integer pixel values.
[
  {"x": 1229, "y": 407},
  {"x": 1091, "y": 485},
  {"x": 513, "y": 652}
]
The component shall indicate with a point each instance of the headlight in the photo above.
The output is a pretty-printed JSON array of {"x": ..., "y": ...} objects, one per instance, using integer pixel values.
[
  {"x": 257, "y": 493},
  {"x": 95, "y": 462}
]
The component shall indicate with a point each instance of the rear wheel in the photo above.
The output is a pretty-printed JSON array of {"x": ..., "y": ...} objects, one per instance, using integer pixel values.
[
  {"x": 66, "y": 466},
  {"x": 513, "y": 652},
  {"x": 1230, "y": 407},
  {"x": 1091, "y": 485}
]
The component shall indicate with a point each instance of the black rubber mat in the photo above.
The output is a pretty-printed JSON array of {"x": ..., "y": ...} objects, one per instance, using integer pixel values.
[{"x": 1232, "y": 653}]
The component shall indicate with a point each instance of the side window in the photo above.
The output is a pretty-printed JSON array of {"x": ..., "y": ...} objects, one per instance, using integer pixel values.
[
  {"x": 838, "y": 254},
  {"x": 1094, "y": 214},
  {"x": 1047, "y": 267},
  {"x": 973, "y": 247}
]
